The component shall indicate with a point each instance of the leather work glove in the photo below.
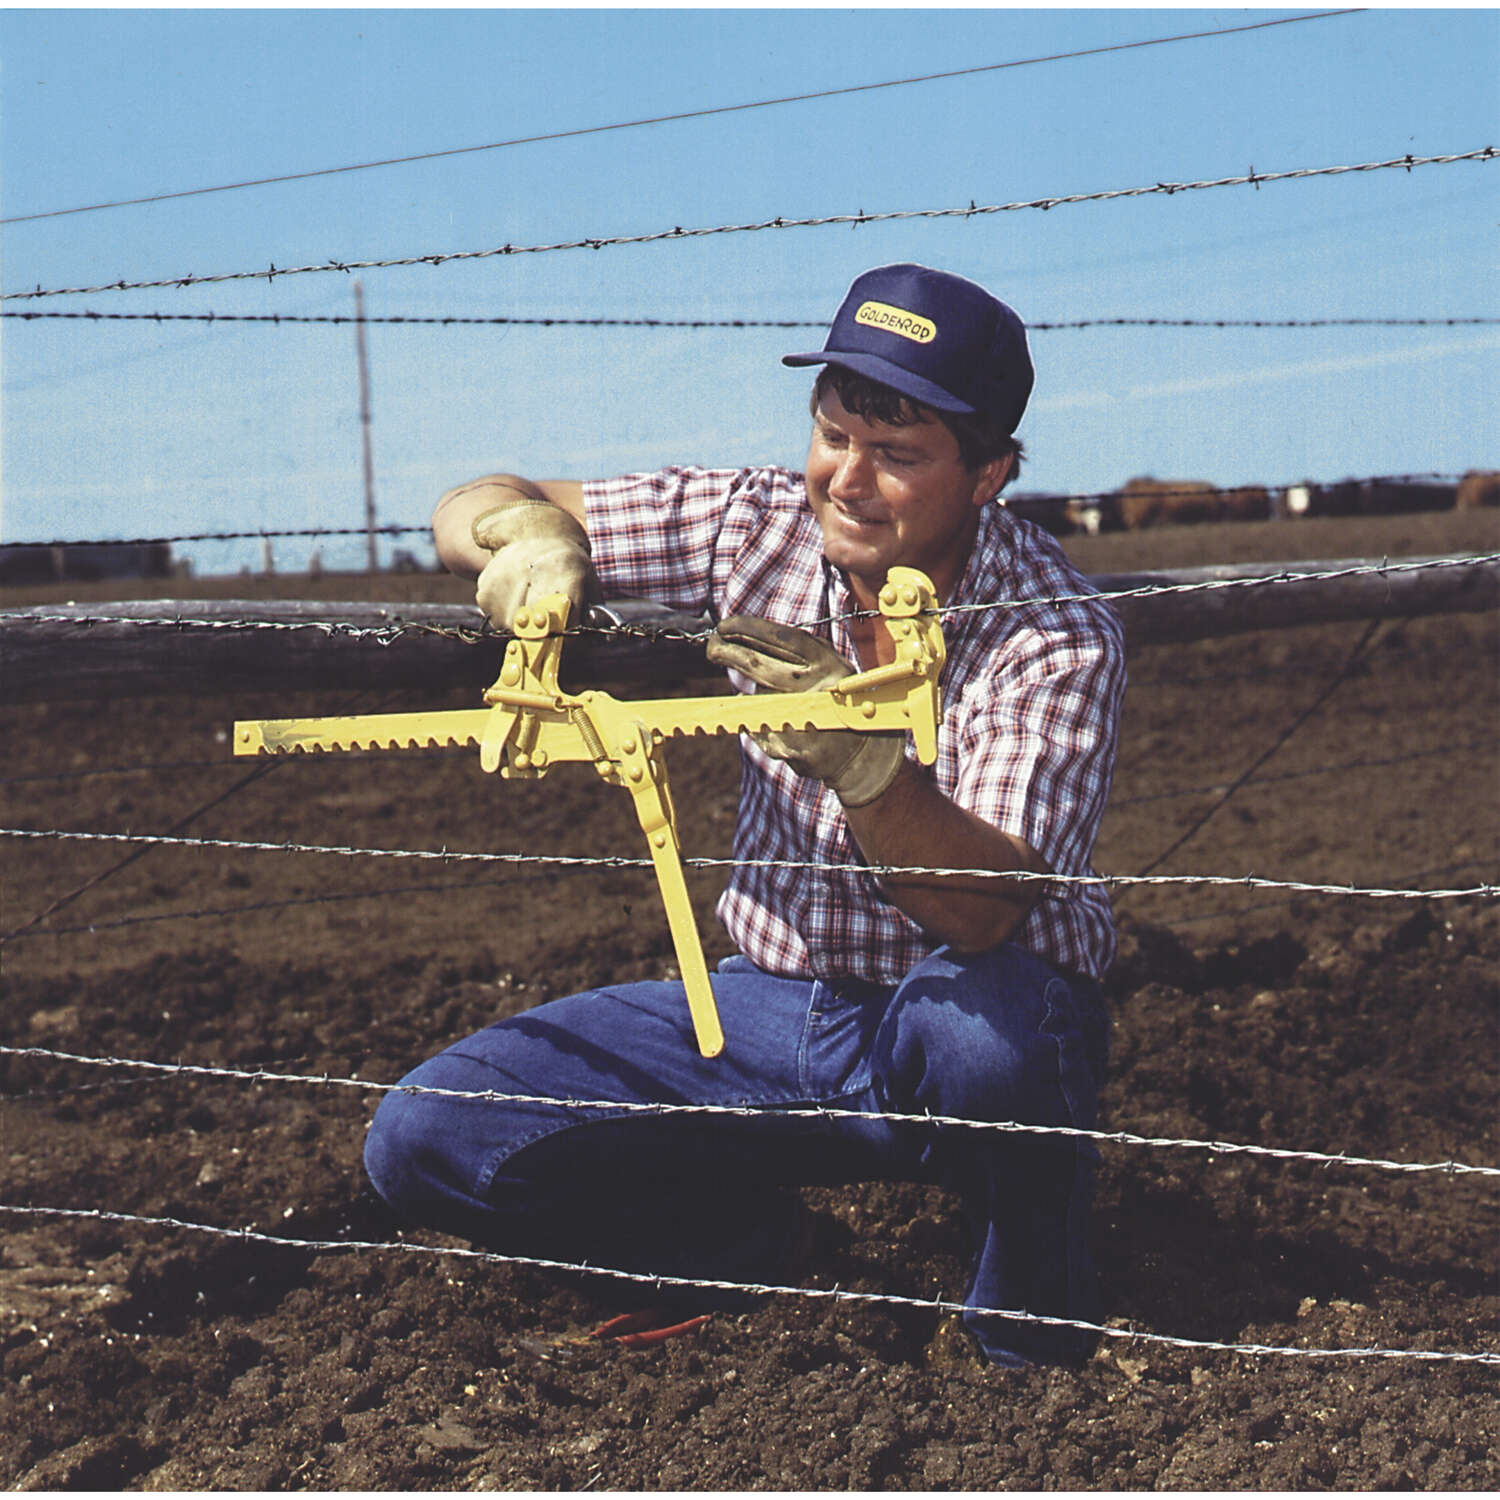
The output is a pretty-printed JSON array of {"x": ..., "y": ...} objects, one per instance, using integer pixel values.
[
  {"x": 857, "y": 767},
  {"x": 539, "y": 549}
]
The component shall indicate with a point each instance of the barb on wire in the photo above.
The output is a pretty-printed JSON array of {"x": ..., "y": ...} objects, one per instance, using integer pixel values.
[
  {"x": 1154, "y": 590},
  {"x": 734, "y": 1111},
  {"x": 385, "y": 634},
  {"x": 382, "y": 892},
  {"x": 834, "y": 1294},
  {"x": 451, "y": 320},
  {"x": 630, "y": 862},
  {"x": 600, "y": 242}
]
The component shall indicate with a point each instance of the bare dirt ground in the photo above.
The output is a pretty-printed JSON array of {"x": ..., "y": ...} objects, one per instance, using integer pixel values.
[{"x": 144, "y": 1357}]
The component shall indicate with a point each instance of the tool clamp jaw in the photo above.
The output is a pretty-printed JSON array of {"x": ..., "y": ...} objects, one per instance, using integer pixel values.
[{"x": 531, "y": 725}]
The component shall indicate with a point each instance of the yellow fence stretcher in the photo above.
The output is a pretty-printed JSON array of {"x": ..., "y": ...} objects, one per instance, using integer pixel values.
[{"x": 531, "y": 725}]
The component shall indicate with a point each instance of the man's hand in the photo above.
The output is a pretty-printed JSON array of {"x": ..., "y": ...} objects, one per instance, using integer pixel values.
[
  {"x": 538, "y": 549},
  {"x": 857, "y": 767}
]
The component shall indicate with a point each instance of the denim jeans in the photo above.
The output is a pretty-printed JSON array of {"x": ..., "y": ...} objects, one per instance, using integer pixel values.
[{"x": 995, "y": 1036}]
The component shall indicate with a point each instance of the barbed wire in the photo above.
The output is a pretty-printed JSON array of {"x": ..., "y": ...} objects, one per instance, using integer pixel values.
[
  {"x": 736, "y": 1111},
  {"x": 835, "y": 1294},
  {"x": 1383, "y": 568},
  {"x": 382, "y": 892},
  {"x": 29, "y": 1096},
  {"x": 386, "y": 634},
  {"x": 1430, "y": 476},
  {"x": 678, "y": 233},
  {"x": 449, "y": 320},
  {"x": 629, "y": 862},
  {"x": 692, "y": 114}
]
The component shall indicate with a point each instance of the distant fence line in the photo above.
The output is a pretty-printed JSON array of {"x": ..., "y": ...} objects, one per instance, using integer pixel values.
[{"x": 1373, "y": 493}]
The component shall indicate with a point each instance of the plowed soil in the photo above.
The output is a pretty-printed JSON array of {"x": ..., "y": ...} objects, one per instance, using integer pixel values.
[{"x": 146, "y": 1356}]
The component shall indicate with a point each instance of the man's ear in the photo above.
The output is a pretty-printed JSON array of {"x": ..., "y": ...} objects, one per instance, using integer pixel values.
[{"x": 992, "y": 478}]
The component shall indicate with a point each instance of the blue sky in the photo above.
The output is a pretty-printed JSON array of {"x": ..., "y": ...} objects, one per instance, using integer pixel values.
[{"x": 132, "y": 428}]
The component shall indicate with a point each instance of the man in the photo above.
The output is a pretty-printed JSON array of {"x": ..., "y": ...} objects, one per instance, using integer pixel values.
[{"x": 969, "y": 996}]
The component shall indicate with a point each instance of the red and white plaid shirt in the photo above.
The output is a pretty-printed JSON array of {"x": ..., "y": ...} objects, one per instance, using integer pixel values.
[{"x": 1031, "y": 700}]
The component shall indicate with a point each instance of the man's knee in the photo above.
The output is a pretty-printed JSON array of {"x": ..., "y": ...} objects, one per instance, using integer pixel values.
[
  {"x": 977, "y": 1036},
  {"x": 398, "y": 1150}
]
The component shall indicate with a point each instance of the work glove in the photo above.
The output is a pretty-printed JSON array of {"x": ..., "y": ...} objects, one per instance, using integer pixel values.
[
  {"x": 856, "y": 767},
  {"x": 539, "y": 549}
]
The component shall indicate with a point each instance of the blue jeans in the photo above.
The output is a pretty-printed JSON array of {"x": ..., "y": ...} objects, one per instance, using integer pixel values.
[{"x": 994, "y": 1036}]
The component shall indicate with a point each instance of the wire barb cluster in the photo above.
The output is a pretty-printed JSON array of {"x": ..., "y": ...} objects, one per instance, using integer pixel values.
[{"x": 677, "y": 232}]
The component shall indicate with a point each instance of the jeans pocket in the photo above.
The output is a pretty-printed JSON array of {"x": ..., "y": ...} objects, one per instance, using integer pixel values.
[{"x": 836, "y": 1051}]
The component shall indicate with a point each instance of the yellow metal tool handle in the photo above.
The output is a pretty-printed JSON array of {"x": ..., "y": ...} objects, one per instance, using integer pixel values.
[{"x": 642, "y": 771}]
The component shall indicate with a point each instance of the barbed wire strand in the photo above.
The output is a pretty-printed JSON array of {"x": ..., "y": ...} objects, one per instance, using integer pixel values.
[
  {"x": 378, "y": 893},
  {"x": 629, "y": 862},
  {"x": 692, "y": 114},
  {"x": 139, "y": 1081},
  {"x": 1434, "y": 477},
  {"x": 834, "y": 1294},
  {"x": 450, "y": 320},
  {"x": 1222, "y": 914},
  {"x": 386, "y": 634},
  {"x": 737, "y": 1111},
  {"x": 677, "y": 232}
]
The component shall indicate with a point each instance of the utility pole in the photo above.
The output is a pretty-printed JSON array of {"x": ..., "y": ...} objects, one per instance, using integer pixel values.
[{"x": 364, "y": 424}]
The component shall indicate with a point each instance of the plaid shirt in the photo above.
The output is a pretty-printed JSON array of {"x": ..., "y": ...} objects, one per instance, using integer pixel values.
[{"x": 1031, "y": 703}]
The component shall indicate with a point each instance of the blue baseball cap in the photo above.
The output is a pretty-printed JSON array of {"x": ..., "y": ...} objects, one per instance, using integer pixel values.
[{"x": 934, "y": 337}]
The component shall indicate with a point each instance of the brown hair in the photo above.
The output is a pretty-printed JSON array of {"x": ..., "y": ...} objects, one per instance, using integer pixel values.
[{"x": 979, "y": 438}]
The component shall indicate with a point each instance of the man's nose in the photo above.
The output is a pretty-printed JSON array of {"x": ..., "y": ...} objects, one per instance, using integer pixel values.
[{"x": 852, "y": 478}]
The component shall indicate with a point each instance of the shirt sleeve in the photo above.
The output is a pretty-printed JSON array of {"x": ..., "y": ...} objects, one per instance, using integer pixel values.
[
  {"x": 1037, "y": 732},
  {"x": 667, "y": 535}
]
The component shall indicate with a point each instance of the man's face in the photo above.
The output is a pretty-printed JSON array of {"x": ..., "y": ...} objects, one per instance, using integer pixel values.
[{"x": 887, "y": 495}]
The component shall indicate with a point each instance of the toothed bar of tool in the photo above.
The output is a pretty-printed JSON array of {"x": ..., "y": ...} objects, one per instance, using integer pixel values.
[{"x": 531, "y": 725}]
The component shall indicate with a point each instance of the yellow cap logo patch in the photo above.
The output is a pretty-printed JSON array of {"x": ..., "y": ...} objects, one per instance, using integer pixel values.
[{"x": 896, "y": 320}]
